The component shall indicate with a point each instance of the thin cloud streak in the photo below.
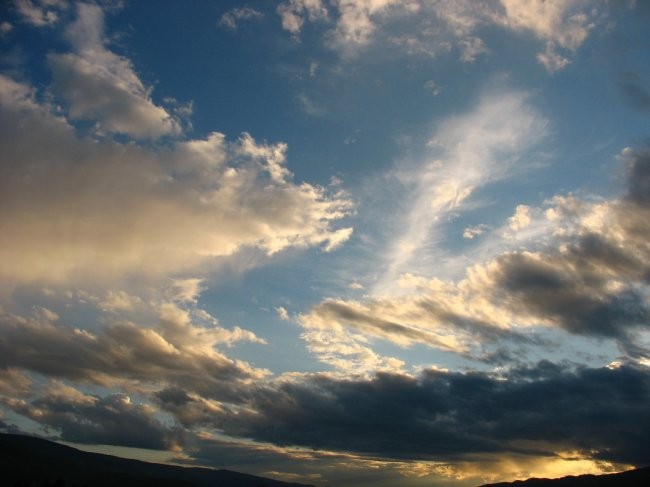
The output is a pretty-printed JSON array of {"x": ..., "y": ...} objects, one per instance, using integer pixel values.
[{"x": 466, "y": 153}]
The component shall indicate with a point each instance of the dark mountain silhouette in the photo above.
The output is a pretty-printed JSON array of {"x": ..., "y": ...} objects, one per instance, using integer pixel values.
[
  {"x": 638, "y": 477},
  {"x": 26, "y": 461}
]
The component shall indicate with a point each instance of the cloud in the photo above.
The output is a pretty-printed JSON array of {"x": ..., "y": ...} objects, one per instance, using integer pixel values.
[
  {"x": 5, "y": 28},
  {"x": 472, "y": 232},
  {"x": 294, "y": 12},
  {"x": 282, "y": 312},
  {"x": 232, "y": 17},
  {"x": 177, "y": 207},
  {"x": 561, "y": 22},
  {"x": 14, "y": 382},
  {"x": 356, "y": 22},
  {"x": 429, "y": 27},
  {"x": 587, "y": 275},
  {"x": 466, "y": 152},
  {"x": 40, "y": 13},
  {"x": 521, "y": 218},
  {"x": 101, "y": 86},
  {"x": 110, "y": 420},
  {"x": 431, "y": 86},
  {"x": 123, "y": 354},
  {"x": 448, "y": 416}
]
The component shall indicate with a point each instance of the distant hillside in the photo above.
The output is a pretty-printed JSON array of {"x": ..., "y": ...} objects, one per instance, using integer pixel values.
[
  {"x": 32, "y": 462},
  {"x": 639, "y": 477}
]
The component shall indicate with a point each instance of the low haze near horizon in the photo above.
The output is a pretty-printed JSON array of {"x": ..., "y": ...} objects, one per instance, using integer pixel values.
[{"x": 338, "y": 242}]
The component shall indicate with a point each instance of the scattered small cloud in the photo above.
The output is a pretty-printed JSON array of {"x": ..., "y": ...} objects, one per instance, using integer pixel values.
[
  {"x": 521, "y": 218},
  {"x": 475, "y": 231},
  {"x": 293, "y": 13},
  {"x": 282, "y": 312},
  {"x": 432, "y": 87},
  {"x": 5, "y": 28},
  {"x": 40, "y": 13},
  {"x": 232, "y": 18}
]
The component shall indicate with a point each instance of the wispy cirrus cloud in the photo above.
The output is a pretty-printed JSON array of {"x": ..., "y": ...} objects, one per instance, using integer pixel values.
[{"x": 466, "y": 153}]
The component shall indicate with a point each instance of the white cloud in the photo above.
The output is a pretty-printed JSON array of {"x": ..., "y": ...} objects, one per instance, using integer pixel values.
[
  {"x": 435, "y": 25},
  {"x": 40, "y": 13},
  {"x": 294, "y": 12},
  {"x": 586, "y": 277},
  {"x": 473, "y": 232},
  {"x": 101, "y": 86},
  {"x": 559, "y": 21},
  {"x": 471, "y": 48},
  {"x": 232, "y": 17},
  {"x": 282, "y": 312},
  {"x": 521, "y": 218},
  {"x": 551, "y": 60},
  {"x": 186, "y": 290},
  {"x": 356, "y": 22},
  {"x": 467, "y": 152},
  {"x": 104, "y": 211},
  {"x": 434, "y": 88}
]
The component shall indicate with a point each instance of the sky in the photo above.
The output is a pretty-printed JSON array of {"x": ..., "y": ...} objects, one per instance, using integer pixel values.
[{"x": 339, "y": 242}]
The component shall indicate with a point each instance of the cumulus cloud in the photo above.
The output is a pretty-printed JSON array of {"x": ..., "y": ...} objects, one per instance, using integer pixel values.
[
  {"x": 176, "y": 207},
  {"x": 101, "y": 86}
]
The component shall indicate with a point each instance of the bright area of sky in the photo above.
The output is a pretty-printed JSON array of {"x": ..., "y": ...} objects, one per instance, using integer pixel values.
[{"x": 342, "y": 242}]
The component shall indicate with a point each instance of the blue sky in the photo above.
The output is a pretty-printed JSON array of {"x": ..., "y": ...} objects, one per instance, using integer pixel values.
[{"x": 345, "y": 242}]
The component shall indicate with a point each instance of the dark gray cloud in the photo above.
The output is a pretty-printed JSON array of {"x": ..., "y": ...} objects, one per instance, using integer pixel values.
[
  {"x": 590, "y": 282},
  {"x": 562, "y": 288},
  {"x": 446, "y": 415},
  {"x": 111, "y": 420}
]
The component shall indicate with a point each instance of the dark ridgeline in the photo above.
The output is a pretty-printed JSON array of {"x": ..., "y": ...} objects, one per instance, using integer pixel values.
[
  {"x": 26, "y": 461},
  {"x": 637, "y": 478}
]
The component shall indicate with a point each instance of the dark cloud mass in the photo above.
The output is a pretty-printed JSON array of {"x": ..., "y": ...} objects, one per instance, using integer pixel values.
[
  {"x": 447, "y": 415},
  {"x": 111, "y": 420}
]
